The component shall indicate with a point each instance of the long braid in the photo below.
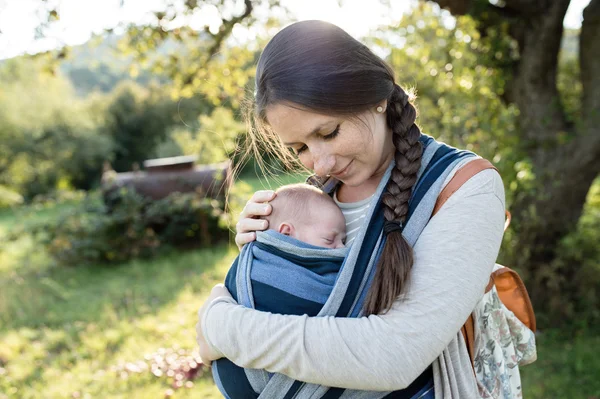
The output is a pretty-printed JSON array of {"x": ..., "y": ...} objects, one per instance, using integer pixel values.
[{"x": 396, "y": 260}]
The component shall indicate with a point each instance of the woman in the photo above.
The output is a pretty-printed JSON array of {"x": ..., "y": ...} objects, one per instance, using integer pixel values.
[{"x": 336, "y": 104}]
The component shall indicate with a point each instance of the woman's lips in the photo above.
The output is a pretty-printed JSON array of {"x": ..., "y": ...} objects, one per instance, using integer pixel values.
[{"x": 342, "y": 172}]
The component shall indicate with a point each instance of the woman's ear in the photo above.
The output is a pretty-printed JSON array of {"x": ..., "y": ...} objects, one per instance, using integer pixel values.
[{"x": 286, "y": 229}]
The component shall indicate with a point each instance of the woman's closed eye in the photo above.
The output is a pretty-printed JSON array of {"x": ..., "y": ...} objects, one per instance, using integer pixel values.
[
  {"x": 326, "y": 137},
  {"x": 300, "y": 150},
  {"x": 333, "y": 134}
]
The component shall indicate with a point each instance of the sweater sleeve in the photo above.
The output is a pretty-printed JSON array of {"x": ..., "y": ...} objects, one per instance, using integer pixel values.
[{"x": 454, "y": 257}]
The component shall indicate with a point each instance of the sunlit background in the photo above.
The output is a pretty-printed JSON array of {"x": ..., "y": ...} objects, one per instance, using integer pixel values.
[{"x": 79, "y": 19}]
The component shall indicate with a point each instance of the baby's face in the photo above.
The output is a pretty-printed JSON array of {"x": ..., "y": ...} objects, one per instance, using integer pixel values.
[{"x": 324, "y": 226}]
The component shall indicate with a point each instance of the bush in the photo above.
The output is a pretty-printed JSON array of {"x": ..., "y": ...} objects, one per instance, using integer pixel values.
[
  {"x": 132, "y": 226},
  {"x": 9, "y": 197},
  {"x": 574, "y": 275}
]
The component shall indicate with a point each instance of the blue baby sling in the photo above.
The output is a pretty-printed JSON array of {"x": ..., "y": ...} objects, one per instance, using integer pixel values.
[{"x": 279, "y": 274}]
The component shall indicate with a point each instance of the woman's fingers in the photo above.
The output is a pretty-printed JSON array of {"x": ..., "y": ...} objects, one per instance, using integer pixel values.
[
  {"x": 250, "y": 221},
  {"x": 204, "y": 350},
  {"x": 244, "y": 238},
  {"x": 253, "y": 209},
  {"x": 247, "y": 225},
  {"x": 257, "y": 206},
  {"x": 263, "y": 196},
  {"x": 246, "y": 230}
]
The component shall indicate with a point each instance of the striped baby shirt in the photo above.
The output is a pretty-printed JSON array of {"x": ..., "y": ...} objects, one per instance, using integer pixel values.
[{"x": 354, "y": 213}]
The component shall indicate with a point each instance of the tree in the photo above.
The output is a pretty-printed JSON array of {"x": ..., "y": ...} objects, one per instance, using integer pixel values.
[
  {"x": 564, "y": 154},
  {"x": 47, "y": 134},
  {"x": 137, "y": 120}
]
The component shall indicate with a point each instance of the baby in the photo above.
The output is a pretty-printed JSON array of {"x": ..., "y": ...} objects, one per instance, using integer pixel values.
[
  {"x": 277, "y": 275},
  {"x": 306, "y": 213}
]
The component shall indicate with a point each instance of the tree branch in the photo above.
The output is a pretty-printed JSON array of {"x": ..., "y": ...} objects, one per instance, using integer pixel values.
[
  {"x": 528, "y": 7},
  {"x": 456, "y": 7},
  {"x": 510, "y": 9},
  {"x": 487, "y": 15},
  {"x": 227, "y": 27},
  {"x": 503, "y": 12},
  {"x": 219, "y": 38}
]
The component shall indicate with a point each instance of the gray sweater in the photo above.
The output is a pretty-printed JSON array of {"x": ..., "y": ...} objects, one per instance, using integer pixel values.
[{"x": 454, "y": 257}]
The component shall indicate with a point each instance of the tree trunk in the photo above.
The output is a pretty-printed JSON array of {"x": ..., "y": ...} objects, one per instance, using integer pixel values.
[{"x": 565, "y": 158}]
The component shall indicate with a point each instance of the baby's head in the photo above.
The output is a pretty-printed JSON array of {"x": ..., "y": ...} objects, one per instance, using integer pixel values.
[{"x": 308, "y": 214}]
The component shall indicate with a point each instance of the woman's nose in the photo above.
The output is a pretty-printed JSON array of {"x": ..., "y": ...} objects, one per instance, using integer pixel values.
[{"x": 323, "y": 164}]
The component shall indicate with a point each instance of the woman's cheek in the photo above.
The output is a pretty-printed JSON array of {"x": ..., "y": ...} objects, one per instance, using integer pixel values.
[{"x": 306, "y": 160}]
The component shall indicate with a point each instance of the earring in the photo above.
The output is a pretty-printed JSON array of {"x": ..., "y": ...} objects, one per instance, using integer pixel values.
[{"x": 380, "y": 109}]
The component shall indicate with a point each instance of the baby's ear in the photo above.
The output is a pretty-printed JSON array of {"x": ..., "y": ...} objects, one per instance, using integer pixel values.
[{"x": 286, "y": 229}]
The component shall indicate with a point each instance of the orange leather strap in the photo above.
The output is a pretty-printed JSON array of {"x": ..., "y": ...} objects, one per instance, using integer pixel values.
[
  {"x": 508, "y": 219},
  {"x": 468, "y": 332},
  {"x": 461, "y": 176}
]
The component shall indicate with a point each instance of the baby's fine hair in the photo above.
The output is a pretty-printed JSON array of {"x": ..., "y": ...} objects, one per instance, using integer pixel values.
[{"x": 296, "y": 202}]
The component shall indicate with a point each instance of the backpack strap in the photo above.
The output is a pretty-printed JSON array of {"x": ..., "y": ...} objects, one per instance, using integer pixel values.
[{"x": 460, "y": 177}]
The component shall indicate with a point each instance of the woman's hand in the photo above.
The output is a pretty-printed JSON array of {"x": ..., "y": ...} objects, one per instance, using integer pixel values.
[
  {"x": 206, "y": 353},
  {"x": 249, "y": 223}
]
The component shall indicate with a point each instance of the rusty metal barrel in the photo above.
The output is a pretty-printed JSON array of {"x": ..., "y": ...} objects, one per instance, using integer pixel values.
[{"x": 164, "y": 176}]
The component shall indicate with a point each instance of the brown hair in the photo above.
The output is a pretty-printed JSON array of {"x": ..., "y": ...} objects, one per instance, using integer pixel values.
[{"x": 319, "y": 67}]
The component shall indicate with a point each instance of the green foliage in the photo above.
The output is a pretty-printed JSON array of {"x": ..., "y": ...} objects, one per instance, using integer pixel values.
[
  {"x": 97, "y": 66},
  {"x": 51, "y": 139},
  {"x": 575, "y": 274},
  {"x": 214, "y": 141},
  {"x": 198, "y": 67},
  {"x": 132, "y": 226},
  {"x": 136, "y": 120},
  {"x": 47, "y": 136},
  {"x": 568, "y": 80},
  {"x": 458, "y": 95},
  {"x": 9, "y": 197}
]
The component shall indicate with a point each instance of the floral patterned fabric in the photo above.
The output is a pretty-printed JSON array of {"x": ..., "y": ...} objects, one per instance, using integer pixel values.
[{"x": 502, "y": 343}]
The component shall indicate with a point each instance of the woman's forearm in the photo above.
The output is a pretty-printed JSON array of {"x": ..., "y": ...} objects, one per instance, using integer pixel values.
[{"x": 454, "y": 258}]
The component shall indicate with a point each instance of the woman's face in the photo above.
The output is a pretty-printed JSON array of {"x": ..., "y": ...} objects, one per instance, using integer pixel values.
[{"x": 353, "y": 151}]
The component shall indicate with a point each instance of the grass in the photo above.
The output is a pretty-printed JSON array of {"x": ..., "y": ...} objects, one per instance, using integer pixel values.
[
  {"x": 568, "y": 366},
  {"x": 64, "y": 331},
  {"x": 67, "y": 332}
]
